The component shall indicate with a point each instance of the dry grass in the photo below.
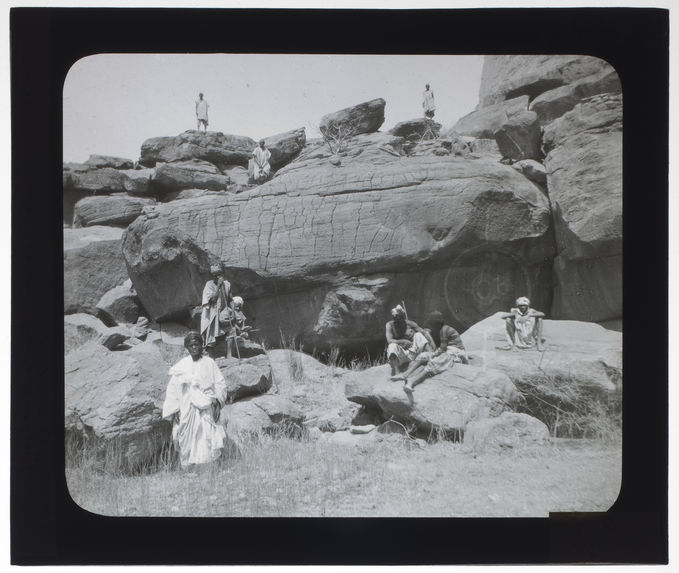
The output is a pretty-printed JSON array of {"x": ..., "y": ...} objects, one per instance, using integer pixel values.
[{"x": 375, "y": 476}]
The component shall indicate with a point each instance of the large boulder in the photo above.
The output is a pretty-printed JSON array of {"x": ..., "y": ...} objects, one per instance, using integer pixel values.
[
  {"x": 576, "y": 353},
  {"x": 266, "y": 414},
  {"x": 554, "y": 103},
  {"x": 81, "y": 329},
  {"x": 584, "y": 177},
  {"x": 114, "y": 401},
  {"x": 221, "y": 149},
  {"x": 519, "y": 137},
  {"x": 113, "y": 210},
  {"x": 93, "y": 265},
  {"x": 483, "y": 122},
  {"x": 139, "y": 181},
  {"x": 435, "y": 226},
  {"x": 507, "y": 77},
  {"x": 102, "y": 181},
  {"x": 284, "y": 147},
  {"x": 194, "y": 174},
  {"x": 365, "y": 117},
  {"x": 99, "y": 161},
  {"x": 534, "y": 170},
  {"x": 246, "y": 377},
  {"x": 120, "y": 304},
  {"x": 443, "y": 405},
  {"x": 510, "y": 431},
  {"x": 416, "y": 128}
]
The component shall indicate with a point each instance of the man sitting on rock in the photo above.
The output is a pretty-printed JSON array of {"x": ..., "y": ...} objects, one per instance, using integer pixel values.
[
  {"x": 236, "y": 329},
  {"x": 449, "y": 350},
  {"x": 194, "y": 398},
  {"x": 523, "y": 326},
  {"x": 260, "y": 162},
  {"x": 405, "y": 340},
  {"x": 216, "y": 298}
]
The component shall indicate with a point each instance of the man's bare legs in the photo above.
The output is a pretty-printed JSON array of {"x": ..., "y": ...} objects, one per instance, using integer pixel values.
[
  {"x": 510, "y": 335},
  {"x": 537, "y": 333}
]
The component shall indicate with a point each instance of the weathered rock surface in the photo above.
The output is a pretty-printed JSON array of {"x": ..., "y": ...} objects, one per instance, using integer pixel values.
[
  {"x": 379, "y": 216},
  {"x": 81, "y": 329},
  {"x": 93, "y": 265},
  {"x": 506, "y": 77},
  {"x": 139, "y": 181},
  {"x": 443, "y": 405},
  {"x": 221, "y": 149},
  {"x": 519, "y": 136},
  {"x": 416, "y": 128},
  {"x": 195, "y": 174},
  {"x": 99, "y": 161},
  {"x": 365, "y": 117},
  {"x": 576, "y": 353},
  {"x": 485, "y": 121},
  {"x": 261, "y": 414},
  {"x": 120, "y": 304},
  {"x": 116, "y": 398},
  {"x": 113, "y": 210},
  {"x": 554, "y": 103},
  {"x": 584, "y": 177},
  {"x": 284, "y": 147},
  {"x": 246, "y": 377},
  {"x": 105, "y": 180},
  {"x": 534, "y": 170},
  {"x": 507, "y": 432}
]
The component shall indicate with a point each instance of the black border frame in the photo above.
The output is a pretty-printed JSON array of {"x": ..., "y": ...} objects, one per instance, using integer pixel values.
[{"x": 48, "y": 528}]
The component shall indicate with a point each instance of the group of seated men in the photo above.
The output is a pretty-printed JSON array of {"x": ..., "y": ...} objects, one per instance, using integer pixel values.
[
  {"x": 416, "y": 353},
  {"x": 222, "y": 318}
]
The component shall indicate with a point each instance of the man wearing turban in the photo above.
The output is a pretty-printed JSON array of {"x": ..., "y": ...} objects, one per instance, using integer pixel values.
[
  {"x": 216, "y": 299},
  {"x": 193, "y": 401},
  {"x": 523, "y": 326},
  {"x": 405, "y": 340}
]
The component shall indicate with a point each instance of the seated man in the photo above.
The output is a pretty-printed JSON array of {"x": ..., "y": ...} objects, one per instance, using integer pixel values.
[
  {"x": 449, "y": 350},
  {"x": 405, "y": 340},
  {"x": 236, "y": 329},
  {"x": 524, "y": 326},
  {"x": 260, "y": 168}
]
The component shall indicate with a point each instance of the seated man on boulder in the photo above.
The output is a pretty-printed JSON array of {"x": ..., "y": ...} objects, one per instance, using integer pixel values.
[
  {"x": 259, "y": 167},
  {"x": 405, "y": 340},
  {"x": 236, "y": 329},
  {"x": 449, "y": 350},
  {"x": 523, "y": 326}
]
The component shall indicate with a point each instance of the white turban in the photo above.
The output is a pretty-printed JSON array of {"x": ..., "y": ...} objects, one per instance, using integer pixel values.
[
  {"x": 237, "y": 301},
  {"x": 522, "y": 300},
  {"x": 398, "y": 310},
  {"x": 215, "y": 269}
]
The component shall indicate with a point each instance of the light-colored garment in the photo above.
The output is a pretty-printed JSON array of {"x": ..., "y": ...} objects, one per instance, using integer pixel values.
[
  {"x": 524, "y": 336},
  {"x": 428, "y": 101},
  {"x": 193, "y": 385},
  {"x": 210, "y": 325},
  {"x": 403, "y": 356},
  {"x": 260, "y": 163},
  {"x": 201, "y": 109},
  {"x": 444, "y": 361}
]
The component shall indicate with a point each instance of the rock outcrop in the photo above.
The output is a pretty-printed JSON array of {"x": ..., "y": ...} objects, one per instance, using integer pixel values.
[
  {"x": 485, "y": 121},
  {"x": 510, "y": 431},
  {"x": 194, "y": 174},
  {"x": 93, "y": 264},
  {"x": 284, "y": 147},
  {"x": 81, "y": 329},
  {"x": 365, "y": 117},
  {"x": 220, "y": 149},
  {"x": 112, "y": 210},
  {"x": 120, "y": 304},
  {"x": 416, "y": 128},
  {"x": 99, "y": 161},
  {"x": 443, "y": 405},
  {"x": 519, "y": 137},
  {"x": 420, "y": 223}
]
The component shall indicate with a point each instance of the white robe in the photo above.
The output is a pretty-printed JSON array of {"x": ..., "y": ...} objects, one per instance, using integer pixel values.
[
  {"x": 193, "y": 385},
  {"x": 428, "y": 101},
  {"x": 201, "y": 109},
  {"x": 210, "y": 325},
  {"x": 260, "y": 164}
]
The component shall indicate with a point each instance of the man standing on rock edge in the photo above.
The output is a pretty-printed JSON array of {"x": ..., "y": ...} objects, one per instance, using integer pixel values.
[
  {"x": 201, "y": 112},
  {"x": 405, "y": 340},
  {"x": 523, "y": 326},
  {"x": 216, "y": 298},
  {"x": 428, "y": 103}
]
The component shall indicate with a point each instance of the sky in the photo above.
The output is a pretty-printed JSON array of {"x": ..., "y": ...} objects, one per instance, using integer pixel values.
[{"x": 113, "y": 102}]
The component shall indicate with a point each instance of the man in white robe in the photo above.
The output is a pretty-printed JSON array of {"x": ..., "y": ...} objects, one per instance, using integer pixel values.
[
  {"x": 523, "y": 326},
  {"x": 216, "y": 299},
  {"x": 428, "y": 102},
  {"x": 194, "y": 398},
  {"x": 201, "y": 112},
  {"x": 260, "y": 162}
]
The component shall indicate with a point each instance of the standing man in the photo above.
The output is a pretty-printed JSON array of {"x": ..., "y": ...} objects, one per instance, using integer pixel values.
[
  {"x": 201, "y": 112},
  {"x": 405, "y": 340},
  {"x": 216, "y": 298},
  {"x": 194, "y": 398},
  {"x": 260, "y": 162},
  {"x": 523, "y": 326},
  {"x": 428, "y": 103}
]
